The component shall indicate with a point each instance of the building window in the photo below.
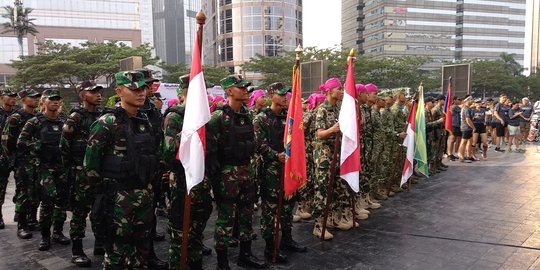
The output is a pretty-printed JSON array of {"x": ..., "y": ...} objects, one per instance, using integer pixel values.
[
  {"x": 252, "y": 46},
  {"x": 224, "y": 2},
  {"x": 272, "y": 45},
  {"x": 226, "y": 21},
  {"x": 273, "y": 19},
  {"x": 226, "y": 50},
  {"x": 252, "y": 18}
]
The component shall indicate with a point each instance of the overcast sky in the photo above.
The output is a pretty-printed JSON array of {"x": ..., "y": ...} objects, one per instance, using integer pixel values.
[{"x": 322, "y": 23}]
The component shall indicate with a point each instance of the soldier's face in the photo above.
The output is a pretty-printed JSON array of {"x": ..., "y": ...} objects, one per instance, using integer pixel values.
[
  {"x": 401, "y": 99},
  {"x": 337, "y": 93},
  {"x": 389, "y": 101},
  {"x": 92, "y": 97},
  {"x": 9, "y": 100},
  {"x": 260, "y": 102},
  {"x": 52, "y": 104},
  {"x": 372, "y": 97},
  {"x": 280, "y": 100},
  {"x": 31, "y": 102},
  {"x": 133, "y": 98},
  {"x": 362, "y": 98},
  {"x": 238, "y": 94}
]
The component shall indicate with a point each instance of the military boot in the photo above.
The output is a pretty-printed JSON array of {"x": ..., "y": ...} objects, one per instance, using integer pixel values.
[
  {"x": 58, "y": 235},
  {"x": 206, "y": 251},
  {"x": 196, "y": 265},
  {"x": 32, "y": 219},
  {"x": 45, "y": 243},
  {"x": 330, "y": 220},
  {"x": 287, "y": 243},
  {"x": 302, "y": 211},
  {"x": 153, "y": 261},
  {"x": 78, "y": 257},
  {"x": 360, "y": 213},
  {"x": 222, "y": 260},
  {"x": 371, "y": 203},
  {"x": 247, "y": 259},
  {"x": 22, "y": 228},
  {"x": 345, "y": 223},
  {"x": 99, "y": 249},
  {"x": 317, "y": 231},
  {"x": 269, "y": 252}
]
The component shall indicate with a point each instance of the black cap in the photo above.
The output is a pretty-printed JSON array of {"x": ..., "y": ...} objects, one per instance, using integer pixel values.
[
  {"x": 440, "y": 97},
  {"x": 428, "y": 99}
]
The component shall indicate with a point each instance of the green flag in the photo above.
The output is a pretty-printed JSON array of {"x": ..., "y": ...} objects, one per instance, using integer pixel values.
[{"x": 420, "y": 152}]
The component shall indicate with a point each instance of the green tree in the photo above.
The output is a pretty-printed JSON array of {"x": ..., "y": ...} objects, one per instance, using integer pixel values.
[
  {"x": 494, "y": 78},
  {"x": 63, "y": 65},
  {"x": 511, "y": 64},
  {"x": 19, "y": 23},
  {"x": 174, "y": 71}
]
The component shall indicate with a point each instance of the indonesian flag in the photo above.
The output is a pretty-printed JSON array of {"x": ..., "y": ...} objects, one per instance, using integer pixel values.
[
  {"x": 193, "y": 141},
  {"x": 409, "y": 144},
  {"x": 294, "y": 176},
  {"x": 448, "y": 108},
  {"x": 350, "y": 142}
]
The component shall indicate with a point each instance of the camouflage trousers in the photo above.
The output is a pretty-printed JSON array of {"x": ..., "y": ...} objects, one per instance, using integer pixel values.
[
  {"x": 378, "y": 163},
  {"x": 367, "y": 181},
  {"x": 81, "y": 204},
  {"x": 54, "y": 198},
  {"x": 440, "y": 146},
  {"x": 5, "y": 170},
  {"x": 270, "y": 187},
  {"x": 341, "y": 198},
  {"x": 387, "y": 165},
  {"x": 235, "y": 194},
  {"x": 305, "y": 195},
  {"x": 399, "y": 162},
  {"x": 26, "y": 187},
  {"x": 129, "y": 246},
  {"x": 201, "y": 208}
]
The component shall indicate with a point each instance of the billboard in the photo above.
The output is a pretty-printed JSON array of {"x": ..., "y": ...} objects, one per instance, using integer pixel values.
[
  {"x": 461, "y": 79},
  {"x": 314, "y": 73}
]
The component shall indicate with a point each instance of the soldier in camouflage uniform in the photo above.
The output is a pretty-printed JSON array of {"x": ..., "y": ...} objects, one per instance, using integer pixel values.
[
  {"x": 25, "y": 189},
  {"x": 326, "y": 128},
  {"x": 400, "y": 113},
  {"x": 40, "y": 139},
  {"x": 257, "y": 102},
  {"x": 120, "y": 159},
  {"x": 390, "y": 144},
  {"x": 73, "y": 147},
  {"x": 154, "y": 116},
  {"x": 235, "y": 191},
  {"x": 269, "y": 126},
  {"x": 201, "y": 208},
  {"x": 440, "y": 134},
  {"x": 431, "y": 125},
  {"x": 9, "y": 99},
  {"x": 379, "y": 159},
  {"x": 306, "y": 194}
]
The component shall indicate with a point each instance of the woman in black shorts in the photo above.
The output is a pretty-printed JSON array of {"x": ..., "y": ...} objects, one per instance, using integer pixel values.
[{"x": 479, "y": 119}]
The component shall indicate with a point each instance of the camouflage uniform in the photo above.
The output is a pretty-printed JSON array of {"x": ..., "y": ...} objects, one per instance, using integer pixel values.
[
  {"x": 40, "y": 138},
  {"x": 120, "y": 158},
  {"x": 389, "y": 141},
  {"x": 201, "y": 208},
  {"x": 26, "y": 192},
  {"x": 378, "y": 160},
  {"x": 6, "y": 165},
  {"x": 439, "y": 136},
  {"x": 306, "y": 194},
  {"x": 399, "y": 113},
  {"x": 431, "y": 125},
  {"x": 326, "y": 116},
  {"x": 367, "y": 130},
  {"x": 235, "y": 191},
  {"x": 269, "y": 129},
  {"x": 73, "y": 142}
]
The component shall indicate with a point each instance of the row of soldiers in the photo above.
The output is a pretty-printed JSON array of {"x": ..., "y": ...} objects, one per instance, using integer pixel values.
[{"x": 111, "y": 163}]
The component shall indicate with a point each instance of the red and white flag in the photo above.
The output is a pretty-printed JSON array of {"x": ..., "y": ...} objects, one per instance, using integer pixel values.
[
  {"x": 409, "y": 144},
  {"x": 193, "y": 142},
  {"x": 350, "y": 142}
]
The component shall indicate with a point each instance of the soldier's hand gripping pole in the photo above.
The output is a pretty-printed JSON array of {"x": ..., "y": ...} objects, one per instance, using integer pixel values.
[{"x": 330, "y": 184}]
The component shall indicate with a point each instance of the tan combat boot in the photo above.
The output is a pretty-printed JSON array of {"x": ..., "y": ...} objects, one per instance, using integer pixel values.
[
  {"x": 317, "y": 231},
  {"x": 302, "y": 211},
  {"x": 344, "y": 223},
  {"x": 372, "y": 204}
]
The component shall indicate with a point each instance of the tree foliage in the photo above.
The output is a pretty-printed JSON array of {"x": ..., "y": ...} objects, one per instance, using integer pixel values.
[
  {"x": 18, "y": 22},
  {"x": 174, "y": 71},
  {"x": 63, "y": 65}
]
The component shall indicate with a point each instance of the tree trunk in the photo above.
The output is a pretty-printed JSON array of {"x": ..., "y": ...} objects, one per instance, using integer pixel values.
[{"x": 21, "y": 49}]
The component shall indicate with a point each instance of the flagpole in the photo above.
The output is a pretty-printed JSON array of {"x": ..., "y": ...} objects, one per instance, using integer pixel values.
[
  {"x": 201, "y": 20},
  {"x": 409, "y": 181}
]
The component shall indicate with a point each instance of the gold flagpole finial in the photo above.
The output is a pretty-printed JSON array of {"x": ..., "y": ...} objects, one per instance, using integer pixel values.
[
  {"x": 299, "y": 51},
  {"x": 200, "y": 17},
  {"x": 352, "y": 55}
]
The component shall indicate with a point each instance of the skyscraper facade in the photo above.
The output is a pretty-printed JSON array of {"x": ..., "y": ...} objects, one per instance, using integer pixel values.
[
  {"x": 237, "y": 30},
  {"x": 535, "y": 43},
  {"x": 445, "y": 30},
  {"x": 79, "y": 21},
  {"x": 174, "y": 29}
]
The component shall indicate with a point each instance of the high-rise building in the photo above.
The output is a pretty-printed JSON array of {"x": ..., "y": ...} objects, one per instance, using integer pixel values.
[
  {"x": 535, "y": 44},
  {"x": 79, "y": 21},
  {"x": 237, "y": 30},
  {"x": 441, "y": 29},
  {"x": 174, "y": 29}
]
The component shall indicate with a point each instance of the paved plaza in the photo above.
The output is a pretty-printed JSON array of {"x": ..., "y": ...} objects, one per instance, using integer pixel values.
[{"x": 484, "y": 215}]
